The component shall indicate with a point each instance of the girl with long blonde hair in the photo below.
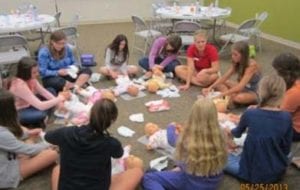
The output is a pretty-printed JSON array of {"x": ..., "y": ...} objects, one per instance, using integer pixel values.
[{"x": 200, "y": 151}]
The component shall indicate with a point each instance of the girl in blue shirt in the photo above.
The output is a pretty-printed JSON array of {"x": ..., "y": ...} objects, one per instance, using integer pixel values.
[
  {"x": 54, "y": 61},
  {"x": 269, "y": 135}
]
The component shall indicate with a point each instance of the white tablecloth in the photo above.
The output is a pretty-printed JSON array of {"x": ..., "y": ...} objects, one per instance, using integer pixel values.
[
  {"x": 24, "y": 22},
  {"x": 189, "y": 12}
]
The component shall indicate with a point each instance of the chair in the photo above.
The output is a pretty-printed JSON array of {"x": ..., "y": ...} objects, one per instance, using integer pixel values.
[
  {"x": 53, "y": 26},
  {"x": 186, "y": 30},
  {"x": 255, "y": 31},
  {"x": 39, "y": 34},
  {"x": 240, "y": 34},
  {"x": 12, "y": 49},
  {"x": 158, "y": 23},
  {"x": 143, "y": 31}
]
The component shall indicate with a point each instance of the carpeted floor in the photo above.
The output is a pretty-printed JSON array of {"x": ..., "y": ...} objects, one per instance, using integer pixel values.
[{"x": 93, "y": 39}]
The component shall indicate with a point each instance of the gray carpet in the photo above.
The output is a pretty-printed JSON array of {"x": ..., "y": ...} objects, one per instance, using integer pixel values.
[{"x": 94, "y": 39}]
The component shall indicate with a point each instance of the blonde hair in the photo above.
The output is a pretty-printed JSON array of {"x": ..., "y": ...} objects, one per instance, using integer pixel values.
[
  {"x": 200, "y": 33},
  {"x": 201, "y": 145},
  {"x": 271, "y": 90}
]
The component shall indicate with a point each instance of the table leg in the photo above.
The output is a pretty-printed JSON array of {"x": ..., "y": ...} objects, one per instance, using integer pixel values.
[
  {"x": 42, "y": 36},
  {"x": 214, "y": 39}
]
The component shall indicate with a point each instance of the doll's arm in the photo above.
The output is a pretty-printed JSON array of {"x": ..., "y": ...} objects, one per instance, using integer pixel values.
[{"x": 153, "y": 142}]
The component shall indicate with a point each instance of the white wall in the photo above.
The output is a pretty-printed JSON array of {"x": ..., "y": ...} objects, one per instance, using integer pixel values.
[{"x": 90, "y": 11}]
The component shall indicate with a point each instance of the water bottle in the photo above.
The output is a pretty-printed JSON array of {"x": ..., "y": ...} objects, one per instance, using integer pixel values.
[
  {"x": 197, "y": 7},
  {"x": 174, "y": 4},
  {"x": 217, "y": 3},
  {"x": 33, "y": 12}
]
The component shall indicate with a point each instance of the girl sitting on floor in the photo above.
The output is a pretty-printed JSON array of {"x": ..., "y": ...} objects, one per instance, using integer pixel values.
[
  {"x": 33, "y": 101},
  {"x": 200, "y": 151},
  {"x": 55, "y": 60},
  {"x": 248, "y": 75},
  {"x": 116, "y": 59},
  {"x": 18, "y": 159},
  {"x": 85, "y": 160},
  {"x": 269, "y": 136}
]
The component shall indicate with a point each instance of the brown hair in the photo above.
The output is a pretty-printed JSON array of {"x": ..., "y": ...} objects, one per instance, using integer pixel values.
[
  {"x": 103, "y": 113},
  {"x": 57, "y": 36},
  {"x": 175, "y": 41},
  {"x": 9, "y": 114},
  {"x": 243, "y": 48},
  {"x": 24, "y": 68},
  {"x": 287, "y": 66},
  {"x": 271, "y": 90}
]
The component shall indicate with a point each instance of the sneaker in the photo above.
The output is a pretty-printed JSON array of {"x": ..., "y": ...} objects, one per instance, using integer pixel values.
[{"x": 169, "y": 75}]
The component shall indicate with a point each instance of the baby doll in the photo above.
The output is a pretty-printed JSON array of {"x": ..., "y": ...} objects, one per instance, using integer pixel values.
[
  {"x": 124, "y": 84},
  {"x": 157, "y": 81},
  {"x": 221, "y": 104},
  {"x": 93, "y": 94},
  {"x": 127, "y": 161},
  {"x": 162, "y": 138}
]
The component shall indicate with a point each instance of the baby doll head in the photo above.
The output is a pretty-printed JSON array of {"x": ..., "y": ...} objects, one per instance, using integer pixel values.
[
  {"x": 108, "y": 94},
  {"x": 132, "y": 90},
  {"x": 157, "y": 72},
  {"x": 221, "y": 104},
  {"x": 152, "y": 86},
  {"x": 151, "y": 128}
]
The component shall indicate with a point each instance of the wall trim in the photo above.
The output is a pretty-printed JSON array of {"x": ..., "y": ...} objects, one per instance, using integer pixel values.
[
  {"x": 266, "y": 36},
  {"x": 109, "y": 21},
  {"x": 271, "y": 37}
]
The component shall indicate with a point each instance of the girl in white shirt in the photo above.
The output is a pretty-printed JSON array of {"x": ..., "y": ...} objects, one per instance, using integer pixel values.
[{"x": 116, "y": 59}]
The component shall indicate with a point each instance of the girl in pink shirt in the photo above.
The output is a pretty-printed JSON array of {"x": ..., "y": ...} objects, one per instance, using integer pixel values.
[{"x": 32, "y": 110}]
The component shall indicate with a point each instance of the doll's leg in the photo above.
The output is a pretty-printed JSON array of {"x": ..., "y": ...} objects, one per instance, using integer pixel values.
[
  {"x": 127, "y": 180},
  {"x": 31, "y": 165}
]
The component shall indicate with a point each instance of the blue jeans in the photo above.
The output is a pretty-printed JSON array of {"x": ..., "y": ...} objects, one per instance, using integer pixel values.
[
  {"x": 32, "y": 116},
  {"x": 144, "y": 63},
  {"x": 233, "y": 165},
  {"x": 179, "y": 180},
  {"x": 58, "y": 82}
]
